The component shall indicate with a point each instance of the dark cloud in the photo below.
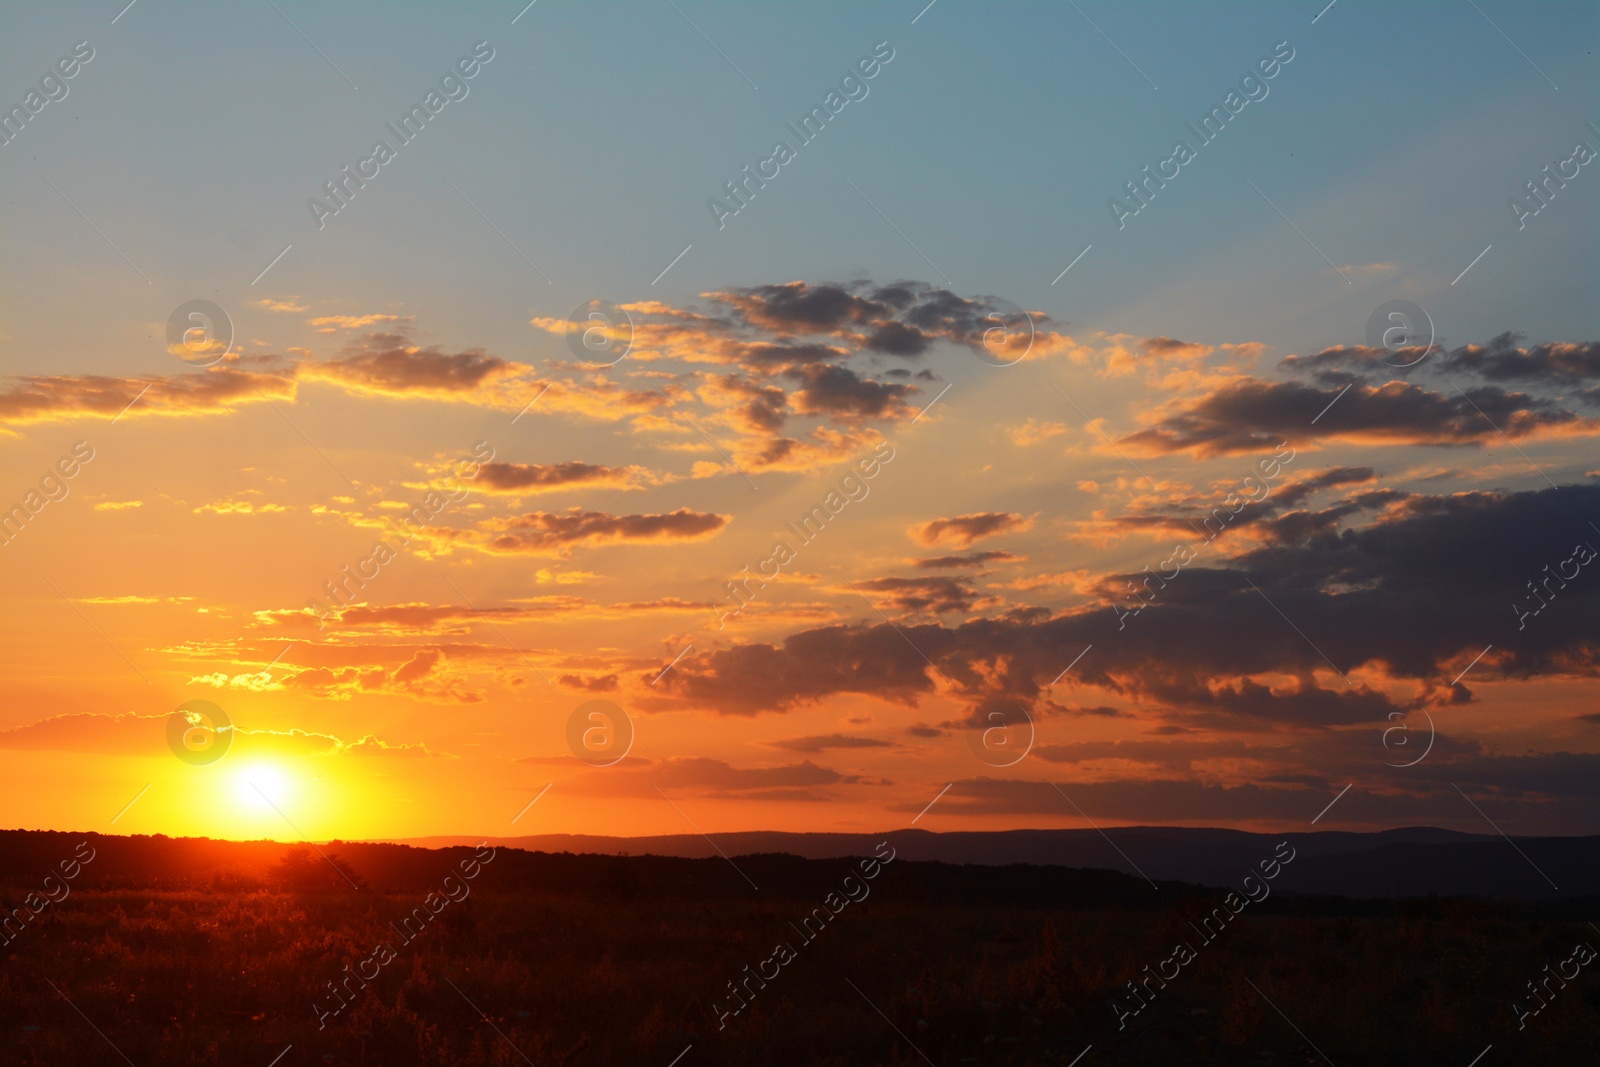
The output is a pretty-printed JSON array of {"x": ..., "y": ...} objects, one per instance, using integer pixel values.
[
  {"x": 933, "y": 596},
  {"x": 1250, "y": 415},
  {"x": 803, "y": 781},
  {"x": 787, "y": 351},
  {"x": 843, "y": 394},
  {"x": 1100, "y": 710},
  {"x": 1500, "y": 360},
  {"x": 962, "y": 530},
  {"x": 768, "y": 355},
  {"x": 604, "y": 683},
  {"x": 1212, "y": 519},
  {"x": 545, "y": 533},
  {"x": 798, "y": 308},
  {"x": 967, "y": 560},
  {"x": 748, "y": 406},
  {"x": 63, "y": 397},
  {"x": 1423, "y": 588},
  {"x": 1341, "y": 364},
  {"x": 529, "y": 478},
  {"x": 898, "y": 339},
  {"x": 1153, "y": 801},
  {"x": 423, "y": 618},
  {"x": 902, "y": 319},
  {"x": 389, "y": 365},
  {"x": 823, "y": 742},
  {"x": 1300, "y": 489}
]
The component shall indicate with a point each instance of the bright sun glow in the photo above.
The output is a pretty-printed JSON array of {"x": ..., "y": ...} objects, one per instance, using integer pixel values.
[{"x": 256, "y": 784}]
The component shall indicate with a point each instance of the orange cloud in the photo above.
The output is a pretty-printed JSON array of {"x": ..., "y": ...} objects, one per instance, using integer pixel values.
[
  {"x": 429, "y": 619},
  {"x": 965, "y": 530},
  {"x": 524, "y": 479},
  {"x": 62, "y": 398},
  {"x": 544, "y": 533},
  {"x": 334, "y": 323},
  {"x": 1033, "y": 431},
  {"x": 420, "y": 677},
  {"x": 387, "y": 366},
  {"x": 132, "y": 734},
  {"x": 240, "y": 507}
]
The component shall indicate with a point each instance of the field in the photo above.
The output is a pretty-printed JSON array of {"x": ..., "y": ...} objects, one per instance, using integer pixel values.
[{"x": 190, "y": 952}]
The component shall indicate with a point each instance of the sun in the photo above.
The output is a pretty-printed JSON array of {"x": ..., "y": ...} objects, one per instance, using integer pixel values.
[{"x": 261, "y": 788}]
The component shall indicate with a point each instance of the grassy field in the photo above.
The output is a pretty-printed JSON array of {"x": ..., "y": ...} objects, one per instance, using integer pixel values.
[{"x": 604, "y": 960}]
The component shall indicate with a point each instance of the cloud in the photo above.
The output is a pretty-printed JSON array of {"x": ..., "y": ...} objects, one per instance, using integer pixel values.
[
  {"x": 372, "y": 746},
  {"x": 524, "y": 479},
  {"x": 933, "y": 596},
  {"x": 592, "y": 398},
  {"x": 1032, "y": 431},
  {"x": 418, "y": 667},
  {"x": 63, "y": 398},
  {"x": 1230, "y": 781},
  {"x": 1501, "y": 360},
  {"x": 128, "y": 734},
  {"x": 416, "y": 619},
  {"x": 804, "y": 334},
  {"x": 1561, "y": 363},
  {"x": 408, "y": 619},
  {"x": 968, "y": 560},
  {"x": 132, "y": 734},
  {"x": 280, "y": 305},
  {"x": 1370, "y": 270},
  {"x": 842, "y": 394},
  {"x": 1171, "y": 348},
  {"x": 700, "y": 775},
  {"x": 823, "y": 446},
  {"x": 545, "y": 533},
  {"x": 746, "y": 406},
  {"x": 798, "y": 308},
  {"x": 963, "y": 530},
  {"x": 1414, "y": 595},
  {"x": 1336, "y": 365},
  {"x": 1163, "y": 360},
  {"x": 1076, "y": 580},
  {"x": 239, "y": 507},
  {"x": 823, "y": 742},
  {"x": 422, "y": 677},
  {"x": 1250, "y": 414},
  {"x": 388, "y": 365},
  {"x": 604, "y": 683},
  {"x": 1210, "y": 516},
  {"x": 334, "y": 323}
]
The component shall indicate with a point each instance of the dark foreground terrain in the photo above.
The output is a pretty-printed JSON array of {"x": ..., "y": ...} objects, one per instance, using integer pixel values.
[{"x": 158, "y": 951}]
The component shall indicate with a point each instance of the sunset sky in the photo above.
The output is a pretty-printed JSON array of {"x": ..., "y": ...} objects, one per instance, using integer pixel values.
[{"x": 1348, "y": 531}]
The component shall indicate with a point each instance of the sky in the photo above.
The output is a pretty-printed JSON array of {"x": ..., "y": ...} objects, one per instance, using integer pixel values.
[{"x": 540, "y": 478}]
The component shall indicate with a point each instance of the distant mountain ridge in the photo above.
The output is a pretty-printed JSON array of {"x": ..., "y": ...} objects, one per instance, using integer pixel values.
[{"x": 1410, "y": 861}]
